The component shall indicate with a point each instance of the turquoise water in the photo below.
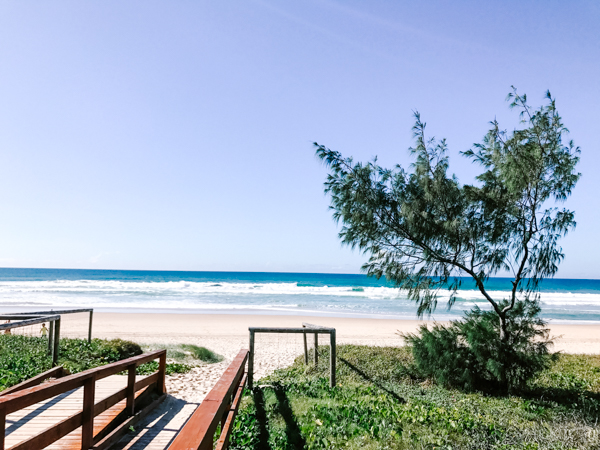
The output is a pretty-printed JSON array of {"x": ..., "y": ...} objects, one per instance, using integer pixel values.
[{"x": 272, "y": 293}]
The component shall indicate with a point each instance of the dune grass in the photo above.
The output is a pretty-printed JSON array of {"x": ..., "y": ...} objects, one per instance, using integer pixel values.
[
  {"x": 186, "y": 353},
  {"x": 382, "y": 402}
]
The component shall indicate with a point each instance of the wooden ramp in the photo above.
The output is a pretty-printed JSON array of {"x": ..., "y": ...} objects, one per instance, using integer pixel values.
[
  {"x": 36, "y": 418},
  {"x": 89, "y": 410}
]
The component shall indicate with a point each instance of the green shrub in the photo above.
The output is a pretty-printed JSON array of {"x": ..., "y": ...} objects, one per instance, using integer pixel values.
[
  {"x": 22, "y": 357},
  {"x": 77, "y": 355},
  {"x": 170, "y": 369},
  {"x": 469, "y": 354}
]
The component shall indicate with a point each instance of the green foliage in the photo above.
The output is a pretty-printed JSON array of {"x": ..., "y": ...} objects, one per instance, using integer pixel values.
[
  {"x": 170, "y": 369},
  {"x": 382, "y": 401},
  {"x": 21, "y": 357},
  {"x": 424, "y": 230},
  {"x": 188, "y": 354},
  {"x": 467, "y": 354},
  {"x": 77, "y": 355}
]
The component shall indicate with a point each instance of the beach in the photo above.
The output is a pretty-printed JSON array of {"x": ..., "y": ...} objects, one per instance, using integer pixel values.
[{"x": 226, "y": 334}]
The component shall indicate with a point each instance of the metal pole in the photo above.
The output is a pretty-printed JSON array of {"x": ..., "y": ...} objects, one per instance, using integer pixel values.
[
  {"x": 251, "y": 361},
  {"x": 90, "y": 328},
  {"x": 316, "y": 349},
  {"x": 56, "y": 342},
  {"x": 332, "y": 355}
]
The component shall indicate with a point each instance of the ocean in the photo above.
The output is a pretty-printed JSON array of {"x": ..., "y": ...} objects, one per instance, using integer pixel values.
[{"x": 340, "y": 295}]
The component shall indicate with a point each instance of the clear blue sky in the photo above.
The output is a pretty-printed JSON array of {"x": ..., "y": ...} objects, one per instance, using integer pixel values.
[{"x": 177, "y": 135}]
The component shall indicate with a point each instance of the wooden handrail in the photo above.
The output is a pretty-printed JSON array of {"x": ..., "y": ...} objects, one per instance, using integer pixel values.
[
  {"x": 27, "y": 397},
  {"x": 55, "y": 372},
  {"x": 15, "y": 401},
  {"x": 219, "y": 406}
]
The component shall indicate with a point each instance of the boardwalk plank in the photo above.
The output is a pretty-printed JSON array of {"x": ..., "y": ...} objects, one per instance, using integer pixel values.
[{"x": 36, "y": 418}]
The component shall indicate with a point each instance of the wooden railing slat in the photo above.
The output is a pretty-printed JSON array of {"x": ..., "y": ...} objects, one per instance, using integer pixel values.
[
  {"x": 223, "y": 442},
  {"x": 198, "y": 432},
  {"x": 30, "y": 396},
  {"x": 25, "y": 397}
]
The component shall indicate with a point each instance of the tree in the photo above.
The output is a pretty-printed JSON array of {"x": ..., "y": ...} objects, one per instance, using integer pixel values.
[{"x": 425, "y": 230}]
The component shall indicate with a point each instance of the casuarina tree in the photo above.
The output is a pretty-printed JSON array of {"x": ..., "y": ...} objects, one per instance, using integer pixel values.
[{"x": 425, "y": 231}]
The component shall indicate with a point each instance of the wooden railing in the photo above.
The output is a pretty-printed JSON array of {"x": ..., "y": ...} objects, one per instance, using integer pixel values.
[
  {"x": 16, "y": 401},
  {"x": 219, "y": 406},
  {"x": 55, "y": 372}
]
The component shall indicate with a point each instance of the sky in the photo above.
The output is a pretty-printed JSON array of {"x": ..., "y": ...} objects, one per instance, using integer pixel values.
[{"x": 178, "y": 135}]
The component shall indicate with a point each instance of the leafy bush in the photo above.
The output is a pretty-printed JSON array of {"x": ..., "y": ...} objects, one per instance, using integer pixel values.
[
  {"x": 468, "y": 354},
  {"x": 21, "y": 357},
  {"x": 170, "y": 369},
  {"x": 77, "y": 355}
]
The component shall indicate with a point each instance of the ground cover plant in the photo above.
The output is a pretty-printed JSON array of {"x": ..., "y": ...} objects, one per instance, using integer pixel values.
[
  {"x": 383, "y": 401},
  {"x": 425, "y": 231},
  {"x": 22, "y": 357}
]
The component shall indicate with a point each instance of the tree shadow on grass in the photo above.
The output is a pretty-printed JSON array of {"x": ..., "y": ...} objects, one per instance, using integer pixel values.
[
  {"x": 292, "y": 430},
  {"x": 261, "y": 419},
  {"x": 366, "y": 377}
]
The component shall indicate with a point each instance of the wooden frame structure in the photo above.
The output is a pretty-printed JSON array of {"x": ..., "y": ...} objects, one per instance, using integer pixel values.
[
  {"x": 53, "y": 317},
  {"x": 64, "y": 311},
  {"x": 25, "y": 320},
  {"x": 218, "y": 407},
  {"x": 306, "y": 328},
  {"x": 134, "y": 392}
]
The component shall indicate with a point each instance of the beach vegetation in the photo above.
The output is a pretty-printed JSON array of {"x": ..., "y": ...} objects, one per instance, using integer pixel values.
[
  {"x": 189, "y": 354},
  {"x": 383, "y": 401},
  {"x": 424, "y": 231},
  {"x": 23, "y": 357}
]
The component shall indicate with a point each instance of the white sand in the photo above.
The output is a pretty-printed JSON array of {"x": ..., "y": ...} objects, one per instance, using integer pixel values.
[{"x": 226, "y": 334}]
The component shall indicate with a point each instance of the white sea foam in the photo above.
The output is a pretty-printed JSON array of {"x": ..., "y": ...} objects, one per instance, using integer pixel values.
[{"x": 180, "y": 295}]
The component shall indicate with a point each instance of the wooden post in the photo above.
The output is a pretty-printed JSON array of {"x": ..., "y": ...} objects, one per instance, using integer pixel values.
[
  {"x": 251, "y": 361},
  {"x": 162, "y": 371},
  {"x": 316, "y": 349},
  {"x": 305, "y": 349},
  {"x": 87, "y": 428},
  {"x": 90, "y": 327},
  {"x": 56, "y": 343},
  {"x": 50, "y": 337},
  {"x": 2, "y": 427},
  {"x": 332, "y": 355},
  {"x": 130, "y": 407}
]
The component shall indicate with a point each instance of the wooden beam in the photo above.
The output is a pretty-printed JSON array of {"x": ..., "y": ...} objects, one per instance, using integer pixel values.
[
  {"x": 251, "y": 361},
  {"x": 87, "y": 427},
  {"x": 332, "y": 359},
  {"x": 55, "y": 372},
  {"x": 290, "y": 330},
  {"x": 223, "y": 442},
  {"x": 90, "y": 325},
  {"x": 198, "y": 432},
  {"x": 56, "y": 342}
]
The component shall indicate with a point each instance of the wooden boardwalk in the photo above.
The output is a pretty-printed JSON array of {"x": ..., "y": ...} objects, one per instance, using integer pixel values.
[{"x": 36, "y": 418}]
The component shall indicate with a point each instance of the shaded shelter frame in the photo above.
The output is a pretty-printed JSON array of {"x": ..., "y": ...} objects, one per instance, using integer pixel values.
[{"x": 306, "y": 328}]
